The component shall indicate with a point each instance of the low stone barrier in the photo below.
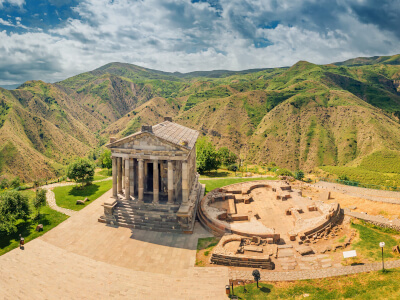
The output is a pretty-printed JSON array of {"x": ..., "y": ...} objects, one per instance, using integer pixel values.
[{"x": 375, "y": 220}]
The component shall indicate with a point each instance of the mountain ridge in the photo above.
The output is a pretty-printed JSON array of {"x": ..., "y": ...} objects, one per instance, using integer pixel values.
[{"x": 303, "y": 116}]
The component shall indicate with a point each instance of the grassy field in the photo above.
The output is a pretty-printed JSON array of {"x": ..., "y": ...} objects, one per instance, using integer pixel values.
[
  {"x": 101, "y": 174},
  {"x": 373, "y": 285},
  {"x": 217, "y": 183},
  {"x": 66, "y": 196},
  {"x": 370, "y": 237},
  {"x": 49, "y": 218}
]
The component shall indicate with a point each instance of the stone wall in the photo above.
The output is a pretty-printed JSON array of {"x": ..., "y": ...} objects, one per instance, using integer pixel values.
[
  {"x": 375, "y": 220},
  {"x": 221, "y": 256}
]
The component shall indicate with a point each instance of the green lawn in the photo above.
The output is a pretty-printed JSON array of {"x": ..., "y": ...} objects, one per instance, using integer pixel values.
[
  {"x": 373, "y": 285},
  {"x": 49, "y": 218},
  {"x": 370, "y": 237},
  {"x": 217, "y": 183},
  {"x": 66, "y": 196},
  {"x": 101, "y": 174}
]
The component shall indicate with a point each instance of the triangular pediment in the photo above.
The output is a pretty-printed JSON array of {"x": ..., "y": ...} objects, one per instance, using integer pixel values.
[{"x": 146, "y": 141}]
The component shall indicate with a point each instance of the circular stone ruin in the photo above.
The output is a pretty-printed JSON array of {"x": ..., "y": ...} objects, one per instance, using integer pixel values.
[{"x": 268, "y": 209}]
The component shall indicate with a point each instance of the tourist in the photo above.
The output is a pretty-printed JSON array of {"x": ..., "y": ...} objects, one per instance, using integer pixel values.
[{"x": 21, "y": 241}]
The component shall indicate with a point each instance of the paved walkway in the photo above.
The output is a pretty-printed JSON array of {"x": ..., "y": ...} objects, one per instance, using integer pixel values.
[
  {"x": 84, "y": 259},
  {"x": 51, "y": 198},
  {"x": 368, "y": 194}
]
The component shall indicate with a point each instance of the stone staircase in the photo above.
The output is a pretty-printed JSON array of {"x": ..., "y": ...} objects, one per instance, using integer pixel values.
[{"x": 145, "y": 216}]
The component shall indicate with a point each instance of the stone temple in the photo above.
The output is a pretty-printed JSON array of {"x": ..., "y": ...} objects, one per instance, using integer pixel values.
[{"x": 155, "y": 183}]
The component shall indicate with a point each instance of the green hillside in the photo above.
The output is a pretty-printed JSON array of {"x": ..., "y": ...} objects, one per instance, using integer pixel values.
[{"x": 344, "y": 115}]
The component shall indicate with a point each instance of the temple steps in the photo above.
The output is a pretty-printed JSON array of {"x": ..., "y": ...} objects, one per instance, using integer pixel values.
[{"x": 147, "y": 216}]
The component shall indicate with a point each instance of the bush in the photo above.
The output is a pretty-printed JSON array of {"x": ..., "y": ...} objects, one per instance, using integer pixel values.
[
  {"x": 226, "y": 157},
  {"x": 4, "y": 183},
  {"x": 16, "y": 182},
  {"x": 299, "y": 175},
  {"x": 13, "y": 206},
  {"x": 284, "y": 172},
  {"x": 233, "y": 168}
]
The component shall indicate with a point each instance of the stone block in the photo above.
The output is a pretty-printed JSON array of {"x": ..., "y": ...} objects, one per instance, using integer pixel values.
[{"x": 304, "y": 250}]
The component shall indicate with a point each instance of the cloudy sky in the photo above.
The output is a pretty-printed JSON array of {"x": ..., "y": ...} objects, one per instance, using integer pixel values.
[{"x": 52, "y": 40}]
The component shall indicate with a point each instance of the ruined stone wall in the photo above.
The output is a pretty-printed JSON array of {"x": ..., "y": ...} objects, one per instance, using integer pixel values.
[{"x": 375, "y": 220}]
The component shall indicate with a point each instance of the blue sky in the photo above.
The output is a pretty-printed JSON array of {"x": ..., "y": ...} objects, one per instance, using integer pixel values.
[{"x": 52, "y": 40}]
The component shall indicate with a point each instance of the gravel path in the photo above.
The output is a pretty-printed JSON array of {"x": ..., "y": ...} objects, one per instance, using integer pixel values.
[
  {"x": 368, "y": 194},
  {"x": 51, "y": 199}
]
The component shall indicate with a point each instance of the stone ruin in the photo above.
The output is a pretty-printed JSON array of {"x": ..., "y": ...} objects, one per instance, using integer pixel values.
[
  {"x": 254, "y": 216},
  {"x": 235, "y": 250}
]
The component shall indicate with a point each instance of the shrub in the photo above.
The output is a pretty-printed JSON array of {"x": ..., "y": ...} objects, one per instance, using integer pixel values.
[
  {"x": 284, "y": 172},
  {"x": 299, "y": 175},
  {"x": 16, "y": 182},
  {"x": 13, "y": 206},
  {"x": 233, "y": 168}
]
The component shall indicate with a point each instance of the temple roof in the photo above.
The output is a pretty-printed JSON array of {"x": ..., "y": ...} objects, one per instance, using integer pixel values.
[{"x": 175, "y": 133}]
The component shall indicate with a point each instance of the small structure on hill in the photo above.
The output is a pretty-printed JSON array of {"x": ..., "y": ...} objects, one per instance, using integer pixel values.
[{"x": 155, "y": 183}]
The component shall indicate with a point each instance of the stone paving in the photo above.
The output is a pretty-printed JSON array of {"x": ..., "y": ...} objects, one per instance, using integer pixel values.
[{"x": 84, "y": 259}]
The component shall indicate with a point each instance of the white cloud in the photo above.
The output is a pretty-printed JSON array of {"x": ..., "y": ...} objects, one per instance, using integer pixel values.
[
  {"x": 9, "y": 23},
  {"x": 184, "y": 36},
  {"x": 19, "y": 3}
]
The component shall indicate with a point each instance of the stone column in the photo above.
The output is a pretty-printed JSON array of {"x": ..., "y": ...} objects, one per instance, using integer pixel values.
[
  {"x": 141, "y": 178},
  {"x": 114, "y": 177},
  {"x": 119, "y": 167},
  {"x": 185, "y": 182},
  {"x": 170, "y": 182},
  {"x": 123, "y": 173},
  {"x": 131, "y": 176},
  {"x": 156, "y": 191},
  {"x": 127, "y": 180}
]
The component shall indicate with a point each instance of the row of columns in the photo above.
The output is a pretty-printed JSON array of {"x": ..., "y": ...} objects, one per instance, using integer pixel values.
[{"x": 124, "y": 177}]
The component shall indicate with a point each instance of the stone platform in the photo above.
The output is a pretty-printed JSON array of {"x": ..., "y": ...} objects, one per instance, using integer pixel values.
[{"x": 147, "y": 215}]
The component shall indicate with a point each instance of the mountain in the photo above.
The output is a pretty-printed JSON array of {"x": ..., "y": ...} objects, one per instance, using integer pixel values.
[{"x": 299, "y": 117}]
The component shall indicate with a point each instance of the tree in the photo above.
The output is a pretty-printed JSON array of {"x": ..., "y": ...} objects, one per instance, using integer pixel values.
[
  {"x": 39, "y": 201},
  {"x": 226, "y": 157},
  {"x": 207, "y": 156},
  {"x": 13, "y": 206},
  {"x": 81, "y": 170},
  {"x": 105, "y": 159},
  {"x": 299, "y": 175}
]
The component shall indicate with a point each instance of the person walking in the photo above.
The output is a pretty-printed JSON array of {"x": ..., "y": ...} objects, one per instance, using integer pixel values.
[{"x": 21, "y": 242}]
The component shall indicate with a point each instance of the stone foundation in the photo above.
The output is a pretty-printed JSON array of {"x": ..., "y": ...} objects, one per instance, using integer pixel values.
[{"x": 258, "y": 254}]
